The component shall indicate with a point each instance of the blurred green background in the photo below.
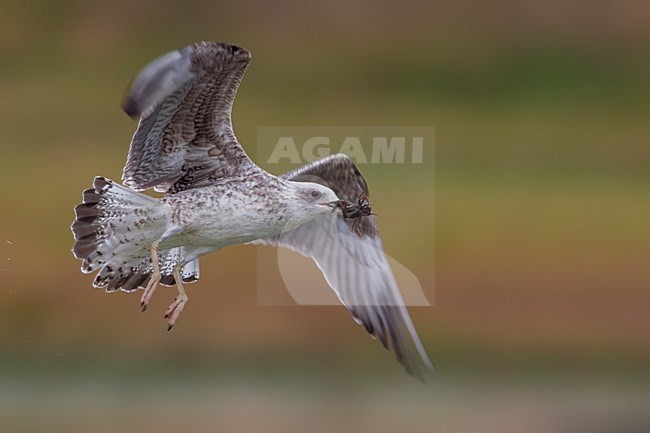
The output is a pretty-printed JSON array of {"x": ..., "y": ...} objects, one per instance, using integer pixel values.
[{"x": 541, "y": 319}]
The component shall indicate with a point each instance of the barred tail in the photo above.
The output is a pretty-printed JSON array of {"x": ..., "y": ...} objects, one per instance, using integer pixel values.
[{"x": 114, "y": 229}]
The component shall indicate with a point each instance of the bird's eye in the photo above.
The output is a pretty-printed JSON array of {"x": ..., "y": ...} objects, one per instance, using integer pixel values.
[{"x": 315, "y": 193}]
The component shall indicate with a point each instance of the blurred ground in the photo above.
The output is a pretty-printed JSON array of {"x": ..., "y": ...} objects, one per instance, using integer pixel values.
[{"x": 541, "y": 316}]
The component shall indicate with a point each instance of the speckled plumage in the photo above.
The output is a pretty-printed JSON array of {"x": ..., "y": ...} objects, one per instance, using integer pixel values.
[{"x": 216, "y": 196}]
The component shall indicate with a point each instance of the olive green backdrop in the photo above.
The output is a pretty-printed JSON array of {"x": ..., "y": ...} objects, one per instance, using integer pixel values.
[{"x": 542, "y": 201}]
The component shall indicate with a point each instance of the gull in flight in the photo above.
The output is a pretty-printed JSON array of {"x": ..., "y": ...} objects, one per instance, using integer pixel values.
[{"x": 215, "y": 196}]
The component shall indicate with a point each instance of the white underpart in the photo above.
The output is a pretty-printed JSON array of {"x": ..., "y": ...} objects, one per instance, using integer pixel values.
[{"x": 222, "y": 220}]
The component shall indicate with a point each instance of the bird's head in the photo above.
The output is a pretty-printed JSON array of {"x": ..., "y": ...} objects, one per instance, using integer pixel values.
[{"x": 312, "y": 200}]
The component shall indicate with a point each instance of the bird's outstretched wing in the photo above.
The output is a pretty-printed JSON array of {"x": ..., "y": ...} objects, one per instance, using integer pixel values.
[
  {"x": 184, "y": 99},
  {"x": 350, "y": 255}
]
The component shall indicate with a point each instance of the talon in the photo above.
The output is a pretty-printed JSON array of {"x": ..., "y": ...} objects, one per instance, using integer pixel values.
[
  {"x": 143, "y": 306},
  {"x": 175, "y": 309}
]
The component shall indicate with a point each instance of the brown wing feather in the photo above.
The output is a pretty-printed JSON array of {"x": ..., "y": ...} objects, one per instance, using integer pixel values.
[
  {"x": 350, "y": 255},
  {"x": 185, "y": 139}
]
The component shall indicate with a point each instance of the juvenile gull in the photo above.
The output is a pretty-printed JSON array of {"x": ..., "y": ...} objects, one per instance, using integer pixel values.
[{"x": 215, "y": 196}]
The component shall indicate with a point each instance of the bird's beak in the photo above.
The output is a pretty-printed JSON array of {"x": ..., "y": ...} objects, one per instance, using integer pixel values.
[{"x": 333, "y": 205}]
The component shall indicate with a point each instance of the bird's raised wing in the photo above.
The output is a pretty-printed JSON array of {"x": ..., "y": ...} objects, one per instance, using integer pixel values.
[
  {"x": 350, "y": 255},
  {"x": 184, "y": 99}
]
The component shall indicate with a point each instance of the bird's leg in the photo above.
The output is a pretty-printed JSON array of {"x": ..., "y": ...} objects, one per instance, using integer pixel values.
[
  {"x": 176, "y": 308},
  {"x": 154, "y": 280}
]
